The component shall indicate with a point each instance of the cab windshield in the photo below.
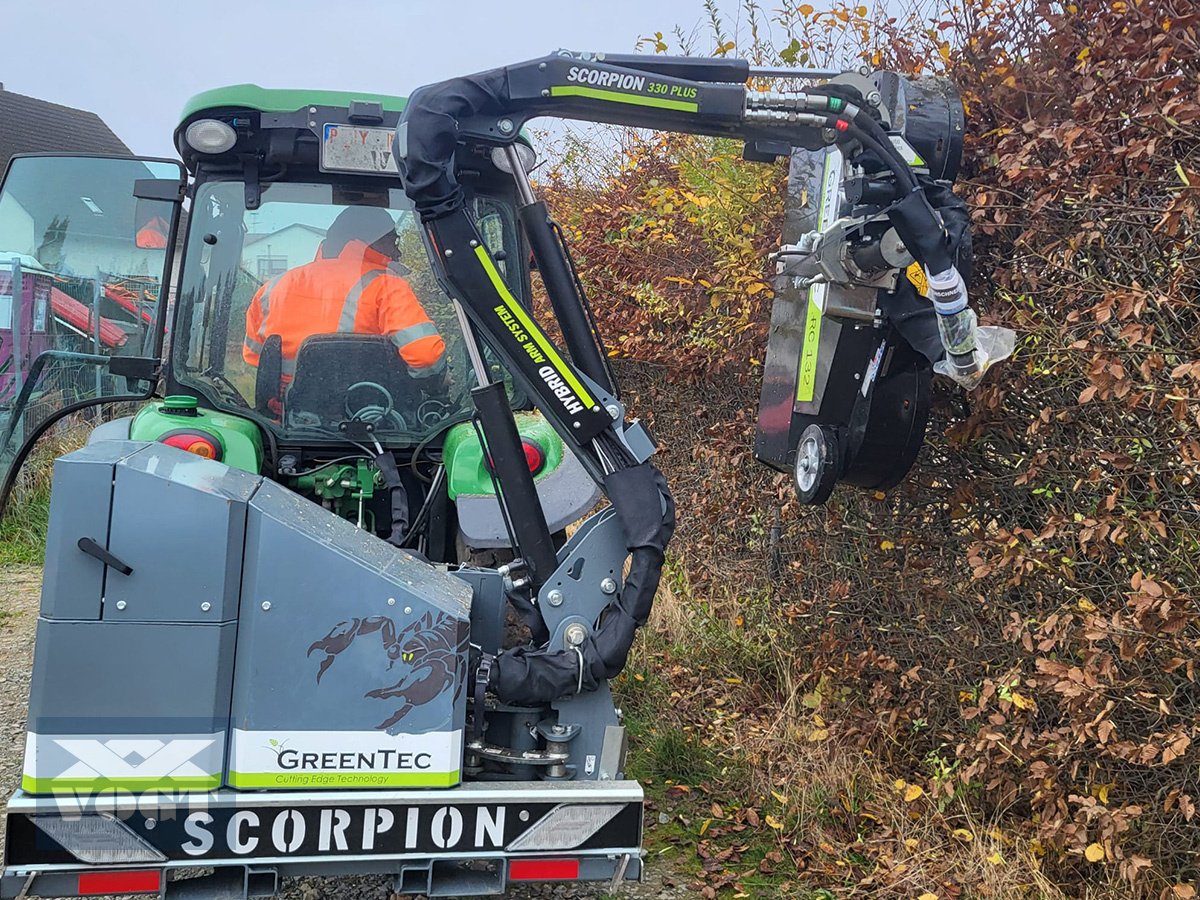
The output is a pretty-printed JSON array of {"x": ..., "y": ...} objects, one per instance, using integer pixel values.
[{"x": 317, "y": 313}]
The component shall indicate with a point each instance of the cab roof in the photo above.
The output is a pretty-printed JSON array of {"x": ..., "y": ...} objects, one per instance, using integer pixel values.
[{"x": 282, "y": 100}]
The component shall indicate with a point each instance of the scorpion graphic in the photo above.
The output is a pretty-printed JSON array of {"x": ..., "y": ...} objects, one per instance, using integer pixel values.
[{"x": 431, "y": 654}]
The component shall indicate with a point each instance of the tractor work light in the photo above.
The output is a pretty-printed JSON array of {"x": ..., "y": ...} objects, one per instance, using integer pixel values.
[
  {"x": 195, "y": 441},
  {"x": 210, "y": 136},
  {"x": 566, "y": 827},
  {"x": 97, "y": 839},
  {"x": 526, "y": 154}
]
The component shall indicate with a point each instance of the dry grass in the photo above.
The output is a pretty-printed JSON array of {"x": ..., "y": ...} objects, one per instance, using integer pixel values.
[
  {"x": 844, "y": 825},
  {"x": 23, "y": 526}
]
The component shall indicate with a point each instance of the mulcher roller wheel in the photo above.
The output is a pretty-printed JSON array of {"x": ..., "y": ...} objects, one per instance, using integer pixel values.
[{"x": 818, "y": 464}]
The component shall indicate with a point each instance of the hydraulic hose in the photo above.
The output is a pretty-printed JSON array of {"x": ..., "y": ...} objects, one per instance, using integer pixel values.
[
  {"x": 535, "y": 676},
  {"x": 925, "y": 236},
  {"x": 913, "y": 218}
]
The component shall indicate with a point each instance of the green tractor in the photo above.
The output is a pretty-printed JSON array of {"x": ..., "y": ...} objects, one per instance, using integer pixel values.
[
  {"x": 319, "y": 608},
  {"x": 244, "y": 229}
]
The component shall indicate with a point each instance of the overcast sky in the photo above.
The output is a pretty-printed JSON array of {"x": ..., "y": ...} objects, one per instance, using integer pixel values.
[{"x": 135, "y": 62}]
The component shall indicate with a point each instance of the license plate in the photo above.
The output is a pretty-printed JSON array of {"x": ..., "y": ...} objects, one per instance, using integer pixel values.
[{"x": 352, "y": 148}]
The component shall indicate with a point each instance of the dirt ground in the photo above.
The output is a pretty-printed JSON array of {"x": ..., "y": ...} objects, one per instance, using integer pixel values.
[{"x": 19, "y": 596}]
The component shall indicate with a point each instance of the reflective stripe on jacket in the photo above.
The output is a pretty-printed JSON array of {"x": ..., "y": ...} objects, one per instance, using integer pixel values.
[{"x": 353, "y": 292}]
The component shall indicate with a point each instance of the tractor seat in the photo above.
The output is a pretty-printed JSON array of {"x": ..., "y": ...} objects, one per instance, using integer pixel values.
[{"x": 328, "y": 366}]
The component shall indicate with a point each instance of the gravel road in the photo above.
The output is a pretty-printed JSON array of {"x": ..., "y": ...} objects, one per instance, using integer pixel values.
[{"x": 19, "y": 596}]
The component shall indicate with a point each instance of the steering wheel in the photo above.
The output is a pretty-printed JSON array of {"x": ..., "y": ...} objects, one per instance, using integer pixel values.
[
  {"x": 233, "y": 395},
  {"x": 369, "y": 412},
  {"x": 433, "y": 411},
  {"x": 373, "y": 412}
]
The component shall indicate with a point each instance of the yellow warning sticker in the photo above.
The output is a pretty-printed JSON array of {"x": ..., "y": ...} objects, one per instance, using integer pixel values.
[{"x": 917, "y": 276}]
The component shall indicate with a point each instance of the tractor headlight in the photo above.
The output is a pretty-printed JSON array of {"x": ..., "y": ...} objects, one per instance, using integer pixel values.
[
  {"x": 524, "y": 153},
  {"x": 210, "y": 136}
]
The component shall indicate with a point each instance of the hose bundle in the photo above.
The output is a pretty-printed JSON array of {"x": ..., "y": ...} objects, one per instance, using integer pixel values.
[{"x": 528, "y": 676}]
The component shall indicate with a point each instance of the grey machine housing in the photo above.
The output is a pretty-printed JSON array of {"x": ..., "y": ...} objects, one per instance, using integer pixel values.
[{"x": 209, "y": 640}]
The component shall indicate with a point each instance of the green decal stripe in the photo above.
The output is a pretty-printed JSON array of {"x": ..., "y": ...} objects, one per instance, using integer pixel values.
[
  {"x": 806, "y": 383},
  {"x": 54, "y": 785},
  {"x": 282, "y": 780},
  {"x": 521, "y": 316},
  {"x": 617, "y": 97}
]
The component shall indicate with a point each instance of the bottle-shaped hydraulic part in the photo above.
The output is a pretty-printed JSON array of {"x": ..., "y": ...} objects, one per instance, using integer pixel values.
[{"x": 956, "y": 321}]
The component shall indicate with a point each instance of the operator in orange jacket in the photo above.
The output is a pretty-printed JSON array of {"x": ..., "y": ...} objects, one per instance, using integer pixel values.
[{"x": 348, "y": 288}]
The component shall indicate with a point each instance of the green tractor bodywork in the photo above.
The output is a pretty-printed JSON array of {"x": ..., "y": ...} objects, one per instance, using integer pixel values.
[
  {"x": 239, "y": 438},
  {"x": 280, "y": 100},
  {"x": 466, "y": 471}
]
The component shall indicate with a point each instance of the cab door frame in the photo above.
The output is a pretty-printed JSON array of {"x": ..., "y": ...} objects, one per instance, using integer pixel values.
[{"x": 144, "y": 368}]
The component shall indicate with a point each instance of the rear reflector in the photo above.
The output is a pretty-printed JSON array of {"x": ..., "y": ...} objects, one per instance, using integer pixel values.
[
  {"x": 138, "y": 882},
  {"x": 565, "y": 827},
  {"x": 100, "y": 839},
  {"x": 543, "y": 870}
]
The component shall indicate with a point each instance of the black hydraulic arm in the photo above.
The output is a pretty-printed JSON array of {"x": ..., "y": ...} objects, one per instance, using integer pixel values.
[
  {"x": 568, "y": 305},
  {"x": 666, "y": 94},
  {"x": 510, "y": 329},
  {"x": 490, "y": 107}
]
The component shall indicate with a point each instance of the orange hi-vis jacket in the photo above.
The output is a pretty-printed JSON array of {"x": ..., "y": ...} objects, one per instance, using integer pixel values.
[{"x": 354, "y": 292}]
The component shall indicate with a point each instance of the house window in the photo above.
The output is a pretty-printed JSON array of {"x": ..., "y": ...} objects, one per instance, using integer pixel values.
[{"x": 270, "y": 266}]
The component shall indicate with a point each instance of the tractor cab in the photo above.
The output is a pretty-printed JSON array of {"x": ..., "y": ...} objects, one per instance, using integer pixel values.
[
  {"x": 276, "y": 288},
  {"x": 271, "y": 191}
]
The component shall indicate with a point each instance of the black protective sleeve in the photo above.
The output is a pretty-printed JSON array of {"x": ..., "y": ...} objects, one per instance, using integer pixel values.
[
  {"x": 397, "y": 497},
  {"x": 430, "y": 125},
  {"x": 915, "y": 222},
  {"x": 912, "y": 314},
  {"x": 532, "y": 677},
  {"x": 957, "y": 219}
]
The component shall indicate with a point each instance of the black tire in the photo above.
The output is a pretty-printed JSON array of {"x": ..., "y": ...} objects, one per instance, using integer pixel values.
[{"x": 818, "y": 464}]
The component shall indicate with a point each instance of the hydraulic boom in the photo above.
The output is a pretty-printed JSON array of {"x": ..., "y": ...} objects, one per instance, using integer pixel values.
[{"x": 445, "y": 122}]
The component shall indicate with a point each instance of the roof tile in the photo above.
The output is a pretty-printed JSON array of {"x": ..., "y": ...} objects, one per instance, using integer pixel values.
[{"x": 29, "y": 125}]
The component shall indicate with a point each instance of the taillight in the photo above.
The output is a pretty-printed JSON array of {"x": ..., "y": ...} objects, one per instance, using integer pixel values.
[
  {"x": 543, "y": 870},
  {"x": 535, "y": 456},
  {"x": 195, "y": 441},
  {"x": 138, "y": 881}
]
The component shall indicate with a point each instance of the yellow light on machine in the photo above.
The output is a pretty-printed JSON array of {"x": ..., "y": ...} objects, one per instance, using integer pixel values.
[{"x": 210, "y": 136}]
